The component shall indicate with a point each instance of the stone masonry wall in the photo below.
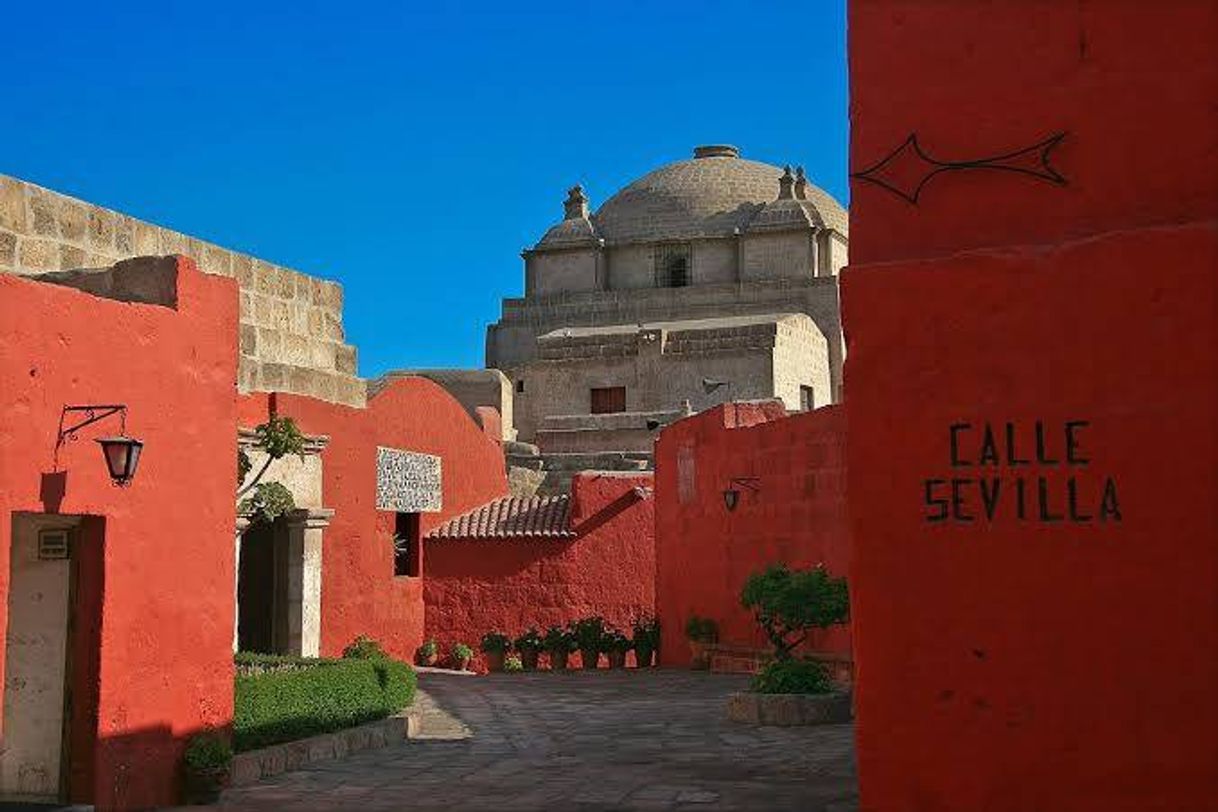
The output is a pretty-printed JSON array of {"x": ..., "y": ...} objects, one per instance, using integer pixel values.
[{"x": 291, "y": 324}]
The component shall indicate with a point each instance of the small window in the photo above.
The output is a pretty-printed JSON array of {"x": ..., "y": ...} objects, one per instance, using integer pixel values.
[
  {"x": 407, "y": 546},
  {"x": 807, "y": 400},
  {"x": 520, "y": 385},
  {"x": 672, "y": 265},
  {"x": 608, "y": 400}
]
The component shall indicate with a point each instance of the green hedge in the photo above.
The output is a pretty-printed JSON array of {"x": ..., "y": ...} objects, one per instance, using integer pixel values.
[
  {"x": 300, "y": 701},
  {"x": 249, "y": 663}
]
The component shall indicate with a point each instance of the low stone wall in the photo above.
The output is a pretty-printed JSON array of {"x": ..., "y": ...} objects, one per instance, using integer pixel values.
[
  {"x": 292, "y": 336},
  {"x": 256, "y": 765},
  {"x": 790, "y": 710}
]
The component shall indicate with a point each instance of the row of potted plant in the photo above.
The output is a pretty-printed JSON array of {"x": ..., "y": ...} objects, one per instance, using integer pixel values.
[
  {"x": 459, "y": 655},
  {"x": 590, "y": 636}
]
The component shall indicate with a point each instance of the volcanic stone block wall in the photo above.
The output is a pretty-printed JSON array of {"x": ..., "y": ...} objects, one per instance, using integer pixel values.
[{"x": 291, "y": 324}]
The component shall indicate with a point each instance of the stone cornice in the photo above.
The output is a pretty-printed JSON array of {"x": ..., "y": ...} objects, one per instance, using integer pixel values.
[{"x": 313, "y": 443}]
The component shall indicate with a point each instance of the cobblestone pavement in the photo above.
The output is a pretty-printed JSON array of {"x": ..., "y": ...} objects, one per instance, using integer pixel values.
[{"x": 652, "y": 740}]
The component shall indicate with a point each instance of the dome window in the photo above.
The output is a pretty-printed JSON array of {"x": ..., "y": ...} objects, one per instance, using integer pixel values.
[{"x": 672, "y": 265}]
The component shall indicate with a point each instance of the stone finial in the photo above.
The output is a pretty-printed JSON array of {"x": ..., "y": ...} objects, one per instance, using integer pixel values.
[
  {"x": 801, "y": 184},
  {"x": 576, "y": 205},
  {"x": 785, "y": 184}
]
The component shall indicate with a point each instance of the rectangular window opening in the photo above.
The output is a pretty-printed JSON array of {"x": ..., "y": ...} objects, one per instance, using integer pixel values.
[
  {"x": 407, "y": 546},
  {"x": 672, "y": 264},
  {"x": 807, "y": 398},
  {"x": 608, "y": 399}
]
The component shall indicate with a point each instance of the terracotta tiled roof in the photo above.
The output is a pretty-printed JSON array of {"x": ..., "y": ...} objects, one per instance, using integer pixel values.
[{"x": 512, "y": 517}]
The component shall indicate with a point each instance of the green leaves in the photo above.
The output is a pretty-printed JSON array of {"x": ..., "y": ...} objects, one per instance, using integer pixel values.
[
  {"x": 786, "y": 602},
  {"x": 495, "y": 643},
  {"x": 279, "y": 706},
  {"x": 701, "y": 629},
  {"x": 270, "y": 501},
  {"x": 792, "y": 676},
  {"x": 279, "y": 437},
  {"x": 558, "y": 639},
  {"x": 208, "y": 752}
]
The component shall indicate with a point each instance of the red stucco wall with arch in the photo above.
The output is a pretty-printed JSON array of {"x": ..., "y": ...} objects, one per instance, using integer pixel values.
[
  {"x": 167, "y": 610},
  {"x": 1011, "y": 661},
  {"x": 360, "y": 594},
  {"x": 473, "y": 586},
  {"x": 797, "y": 515}
]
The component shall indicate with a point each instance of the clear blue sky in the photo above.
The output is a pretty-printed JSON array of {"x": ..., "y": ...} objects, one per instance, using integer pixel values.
[{"x": 408, "y": 150}]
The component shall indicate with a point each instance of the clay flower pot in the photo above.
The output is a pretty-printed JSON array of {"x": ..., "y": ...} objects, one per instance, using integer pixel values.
[
  {"x": 699, "y": 658},
  {"x": 428, "y": 659},
  {"x": 590, "y": 658},
  {"x": 528, "y": 658},
  {"x": 494, "y": 661},
  {"x": 558, "y": 660},
  {"x": 462, "y": 663},
  {"x": 617, "y": 659}
]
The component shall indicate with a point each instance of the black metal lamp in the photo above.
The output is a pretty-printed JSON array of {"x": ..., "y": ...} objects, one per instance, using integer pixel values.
[
  {"x": 731, "y": 496},
  {"x": 122, "y": 457},
  {"x": 122, "y": 453}
]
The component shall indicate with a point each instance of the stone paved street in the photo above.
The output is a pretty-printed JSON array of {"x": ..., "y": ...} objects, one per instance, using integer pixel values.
[{"x": 606, "y": 740}]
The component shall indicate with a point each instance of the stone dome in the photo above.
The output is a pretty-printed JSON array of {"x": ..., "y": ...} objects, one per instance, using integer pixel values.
[{"x": 710, "y": 195}]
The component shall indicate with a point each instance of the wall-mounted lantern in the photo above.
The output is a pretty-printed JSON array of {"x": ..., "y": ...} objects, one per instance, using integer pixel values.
[
  {"x": 122, "y": 457},
  {"x": 731, "y": 496},
  {"x": 122, "y": 453}
]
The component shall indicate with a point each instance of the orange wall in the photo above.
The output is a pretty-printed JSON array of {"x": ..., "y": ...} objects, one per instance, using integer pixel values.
[
  {"x": 1048, "y": 661},
  {"x": 166, "y": 658},
  {"x": 360, "y": 594},
  {"x": 704, "y": 553},
  {"x": 473, "y": 586}
]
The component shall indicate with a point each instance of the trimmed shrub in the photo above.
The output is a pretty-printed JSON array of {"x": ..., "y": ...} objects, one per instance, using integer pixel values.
[
  {"x": 398, "y": 681},
  {"x": 287, "y": 704},
  {"x": 793, "y": 676},
  {"x": 249, "y": 663}
]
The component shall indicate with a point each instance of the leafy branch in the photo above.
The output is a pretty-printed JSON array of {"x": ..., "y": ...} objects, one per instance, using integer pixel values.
[{"x": 277, "y": 438}]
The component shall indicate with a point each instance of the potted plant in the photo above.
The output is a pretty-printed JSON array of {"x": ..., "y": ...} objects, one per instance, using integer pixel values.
[
  {"x": 559, "y": 644},
  {"x": 646, "y": 639},
  {"x": 428, "y": 653},
  {"x": 616, "y": 645},
  {"x": 589, "y": 634},
  {"x": 495, "y": 645},
  {"x": 206, "y": 765},
  {"x": 529, "y": 646},
  {"x": 461, "y": 655},
  {"x": 702, "y": 632},
  {"x": 512, "y": 664}
]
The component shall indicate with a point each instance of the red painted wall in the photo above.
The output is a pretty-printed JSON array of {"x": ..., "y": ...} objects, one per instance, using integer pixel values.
[
  {"x": 473, "y": 586},
  {"x": 797, "y": 515},
  {"x": 1045, "y": 661},
  {"x": 360, "y": 594},
  {"x": 165, "y": 641}
]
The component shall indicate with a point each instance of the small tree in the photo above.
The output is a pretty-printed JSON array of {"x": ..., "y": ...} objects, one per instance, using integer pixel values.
[
  {"x": 788, "y": 603},
  {"x": 277, "y": 438}
]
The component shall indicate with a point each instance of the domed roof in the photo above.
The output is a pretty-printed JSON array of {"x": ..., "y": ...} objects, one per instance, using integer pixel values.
[{"x": 710, "y": 195}]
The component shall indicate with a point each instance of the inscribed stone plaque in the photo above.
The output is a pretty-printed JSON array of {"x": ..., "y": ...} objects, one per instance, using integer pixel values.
[{"x": 406, "y": 481}]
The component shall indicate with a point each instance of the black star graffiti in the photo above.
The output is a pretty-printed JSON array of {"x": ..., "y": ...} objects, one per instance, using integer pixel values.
[{"x": 907, "y": 169}]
